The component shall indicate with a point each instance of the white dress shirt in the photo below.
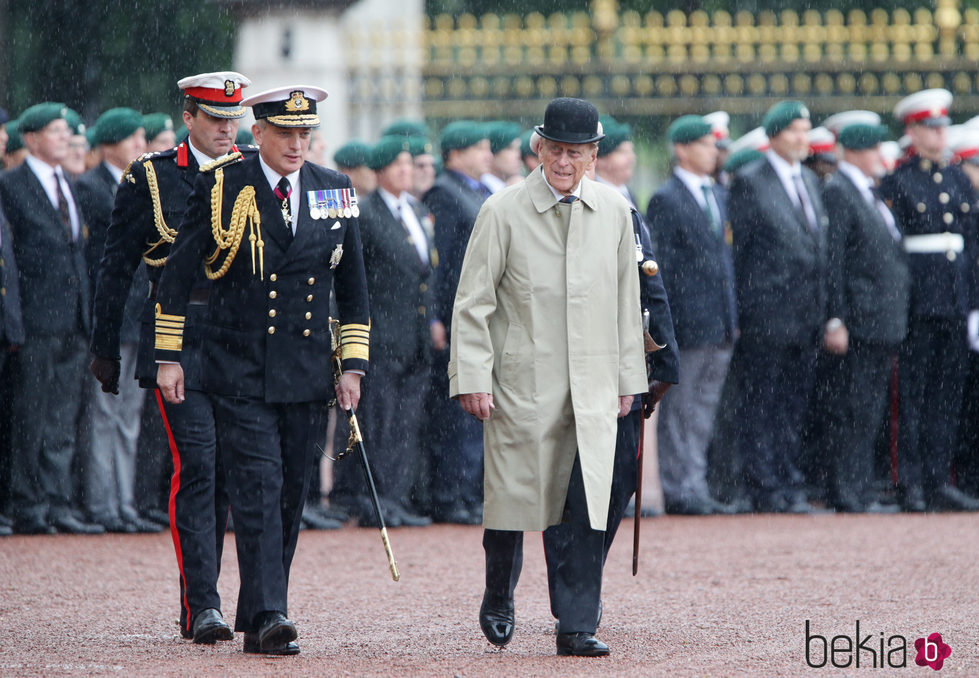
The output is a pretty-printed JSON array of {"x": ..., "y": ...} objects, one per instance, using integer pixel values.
[{"x": 695, "y": 183}]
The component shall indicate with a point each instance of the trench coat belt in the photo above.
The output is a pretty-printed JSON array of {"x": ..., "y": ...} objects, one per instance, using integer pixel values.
[
  {"x": 934, "y": 243},
  {"x": 197, "y": 296}
]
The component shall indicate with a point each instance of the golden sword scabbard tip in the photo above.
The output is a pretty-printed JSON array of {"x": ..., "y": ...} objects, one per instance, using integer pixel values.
[{"x": 391, "y": 562}]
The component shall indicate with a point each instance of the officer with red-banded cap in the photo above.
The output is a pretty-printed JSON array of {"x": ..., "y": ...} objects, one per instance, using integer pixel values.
[
  {"x": 149, "y": 206},
  {"x": 933, "y": 204},
  {"x": 275, "y": 234}
]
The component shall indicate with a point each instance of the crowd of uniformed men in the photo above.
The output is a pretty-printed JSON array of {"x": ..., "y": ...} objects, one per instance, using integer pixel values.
[{"x": 822, "y": 285}]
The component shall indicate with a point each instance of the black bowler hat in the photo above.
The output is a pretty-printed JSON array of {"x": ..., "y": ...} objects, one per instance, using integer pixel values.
[{"x": 570, "y": 121}]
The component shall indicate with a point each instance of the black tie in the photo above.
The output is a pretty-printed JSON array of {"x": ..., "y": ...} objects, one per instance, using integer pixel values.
[
  {"x": 282, "y": 191},
  {"x": 63, "y": 210}
]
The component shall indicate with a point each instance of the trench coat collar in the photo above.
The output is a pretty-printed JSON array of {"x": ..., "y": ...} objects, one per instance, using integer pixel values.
[{"x": 543, "y": 198}]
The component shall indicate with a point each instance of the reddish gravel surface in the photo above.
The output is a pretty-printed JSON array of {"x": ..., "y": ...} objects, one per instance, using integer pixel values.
[{"x": 720, "y": 596}]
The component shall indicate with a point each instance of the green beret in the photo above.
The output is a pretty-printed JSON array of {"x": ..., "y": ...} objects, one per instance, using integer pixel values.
[
  {"x": 74, "y": 121},
  {"x": 781, "y": 116},
  {"x": 155, "y": 124},
  {"x": 14, "y": 142},
  {"x": 91, "y": 136},
  {"x": 525, "y": 144},
  {"x": 501, "y": 134},
  {"x": 461, "y": 134},
  {"x": 117, "y": 124},
  {"x": 419, "y": 146},
  {"x": 39, "y": 115},
  {"x": 739, "y": 159},
  {"x": 182, "y": 135},
  {"x": 354, "y": 153},
  {"x": 244, "y": 137},
  {"x": 687, "y": 129},
  {"x": 860, "y": 136},
  {"x": 407, "y": 128},
  {"x": 386, "y": 150},
  {"x": 616, "y": 134}
]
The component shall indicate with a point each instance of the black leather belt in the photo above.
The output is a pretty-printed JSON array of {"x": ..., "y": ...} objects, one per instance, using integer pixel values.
[{"x": 197, "y": 296}]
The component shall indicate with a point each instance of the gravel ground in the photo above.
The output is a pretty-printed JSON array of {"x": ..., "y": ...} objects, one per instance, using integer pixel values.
[{"x": 717, "y": 596}]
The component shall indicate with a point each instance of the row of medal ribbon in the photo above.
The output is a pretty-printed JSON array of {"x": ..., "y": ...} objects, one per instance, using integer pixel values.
[{"x": 336, "y": 203}]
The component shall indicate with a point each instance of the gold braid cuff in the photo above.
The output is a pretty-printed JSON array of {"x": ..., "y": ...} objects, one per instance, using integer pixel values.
[
  {"x": 245, "y": 210},
  {"x": 167, "y": 234},
  {"x": 169, "y": 331},
  {"x": 355, "y": 342}
]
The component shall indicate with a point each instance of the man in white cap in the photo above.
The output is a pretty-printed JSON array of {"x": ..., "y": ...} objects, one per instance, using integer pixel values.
[
  {"x": 547, "y": 349},
  {"x": 933, "y": 203},
  {"x": 273, "y": 233},
  {"x": 149, "y": 206}
]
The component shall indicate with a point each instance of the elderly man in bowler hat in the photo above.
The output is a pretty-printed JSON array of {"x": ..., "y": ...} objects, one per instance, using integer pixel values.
[{"x": 547, "y": 352}]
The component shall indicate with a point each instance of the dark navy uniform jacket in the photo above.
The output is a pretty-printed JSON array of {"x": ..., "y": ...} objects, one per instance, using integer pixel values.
[
  {"x": 134, "y": 235},
  {"x": 54, "y": 290},
  {"x": 266, "y": 330},
  {"x": 663, "y": 364},
  {"x": 399, "y": 282},
  {"x": 867, "y": 268},
  {"x": 96, "y": 193},
  {"x": 11, "y": 321},
  {"x": 696, "y": 266},
  {"x": 925, "y": 198},
  {"x": 454, "y": 206}
]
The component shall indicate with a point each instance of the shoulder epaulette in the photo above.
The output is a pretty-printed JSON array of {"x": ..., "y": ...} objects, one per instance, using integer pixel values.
[
  {"x": 223, "y": 161},
  {"x": 248, "y": 148}
]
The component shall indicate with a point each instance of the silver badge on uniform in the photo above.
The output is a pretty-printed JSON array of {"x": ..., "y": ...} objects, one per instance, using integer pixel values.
[{"x": 335, "y": 257}]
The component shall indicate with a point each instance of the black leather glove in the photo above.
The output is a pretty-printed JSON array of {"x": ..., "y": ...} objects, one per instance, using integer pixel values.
[
  {"x": 657, "y": 389},
  {"x": 106, "y": 370}
]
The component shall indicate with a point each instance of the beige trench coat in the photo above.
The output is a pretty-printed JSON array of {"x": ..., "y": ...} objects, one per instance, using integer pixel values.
[{"x": 547, "y": 319}]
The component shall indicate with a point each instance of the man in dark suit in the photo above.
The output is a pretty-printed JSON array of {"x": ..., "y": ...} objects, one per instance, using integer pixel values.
[
  {"x": 456, "y": 439},
  {"x": 867, "y": 302},
  {"x": 48, "y": 232},
  {"x": 149, "y": 206},
  {"x": 687, "y": 218},
  {"x": 287, "y": 234},
  {"x": 778, "y": 225},
  {"x": 11, "y": 337},
  {"x": 933, "y": 204},
  {"x": 109, "y": 471},
  {"x": 396, "y": 231}
]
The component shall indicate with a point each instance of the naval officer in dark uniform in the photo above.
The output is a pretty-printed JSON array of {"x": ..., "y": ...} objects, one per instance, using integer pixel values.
[
  {"x": 149, "y": 206},
  {"x": 932, "y": 201},
  {"x": 273, "y": 233}
]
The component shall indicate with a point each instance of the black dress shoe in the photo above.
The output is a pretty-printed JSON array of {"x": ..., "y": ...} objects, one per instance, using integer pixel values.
[
  {"x": 454, "y": 514},
  {"x": 912, "y": 499},
  {"x": 5, "y": 521},
  {"x": 877, "y": 507},
  {"x": 144, "y": 526},
  {"x": 408, "y": 519},
  {"x": 156, "y": 516},
  {"x": 770, "y": 503},
  {"x": 948, "y": 498},
  {"x": 6, "y": 530},
  {"x": 692, "y": 506},
  {"x": 275, "y": 633},
  {"x": 580, "y": 645},
  {"x": 496, "y": 619},
  {"x": 209, "y": 627},
  {"x": 330, "y": 512},
  {"x": 116, "y": 525},
  {"x": 71, "y": 525},
  {"x": 315, "y": 521},
  {"x": 801, "y": 507},
  {"x": 252, "y": 646}
]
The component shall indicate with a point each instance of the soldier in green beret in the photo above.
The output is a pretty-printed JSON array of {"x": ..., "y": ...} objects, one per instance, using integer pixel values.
[
  {"x": 48, "y": 232},
  {"x": 527, "y": 154},
  {"x": 159, "y": 132},
  {"x": 351, "y": 159},
  {"x": 407, "y": 127},
  {"x": 109, "y": 476},
  {"x": 616, "y": 158},
  {"x": 504, "y": 138}
]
